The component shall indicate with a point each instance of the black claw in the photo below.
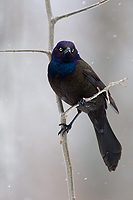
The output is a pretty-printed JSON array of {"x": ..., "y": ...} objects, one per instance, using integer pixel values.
[
  {"x": 66, "y": 128},
  {"x": 60, "y": 131},
  {"x": 82, "y": 103},
  {"x": 62, "y": 124},
  {"x": 86, "y": 104}
]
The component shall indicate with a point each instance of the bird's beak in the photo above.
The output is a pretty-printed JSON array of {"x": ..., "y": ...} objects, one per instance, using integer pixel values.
[{"x": 67, "y": 50}]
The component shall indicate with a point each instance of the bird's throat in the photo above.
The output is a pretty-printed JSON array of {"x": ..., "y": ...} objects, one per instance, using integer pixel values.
[{"x": 62, "y": 69}]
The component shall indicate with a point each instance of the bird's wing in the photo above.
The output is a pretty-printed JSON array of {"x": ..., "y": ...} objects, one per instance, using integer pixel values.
[{"x": 96, "y": 82}]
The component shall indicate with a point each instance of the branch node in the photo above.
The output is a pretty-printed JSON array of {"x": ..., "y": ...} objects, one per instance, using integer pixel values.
[
  {"x": 98, "y": 89},
  {"x": 107, "y": 95},
  {"x": 54, "y": 20},
  {"x": 99, "y": 3},
  {"x": 64, "y": 115}
]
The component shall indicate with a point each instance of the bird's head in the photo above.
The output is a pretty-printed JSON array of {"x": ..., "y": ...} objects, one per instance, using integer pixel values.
[{"x": 65, "y": 51}]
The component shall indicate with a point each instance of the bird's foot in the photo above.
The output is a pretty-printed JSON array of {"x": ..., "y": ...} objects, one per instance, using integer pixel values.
[
  {"x": 83, "y": 103},
  {"x": 66, "y": 128}
]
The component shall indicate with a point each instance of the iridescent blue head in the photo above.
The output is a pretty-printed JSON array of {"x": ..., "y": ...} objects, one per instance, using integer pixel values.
[
  {"x": 65, "y": 51},
  {"x": 63, "y": 60}
]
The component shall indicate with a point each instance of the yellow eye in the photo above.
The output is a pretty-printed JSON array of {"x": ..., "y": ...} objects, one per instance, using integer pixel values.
[
  {"x": 72, "y": 50},
  {"x": 60, "y": 49}
]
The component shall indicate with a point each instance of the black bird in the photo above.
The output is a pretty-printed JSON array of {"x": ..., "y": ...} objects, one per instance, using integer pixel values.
[{"x": 72, "y": 78}]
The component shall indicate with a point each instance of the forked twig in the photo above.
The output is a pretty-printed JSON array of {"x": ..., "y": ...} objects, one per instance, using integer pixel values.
[
  {"x": 106, "y": 89},
  {"x": 78, "y": 11}
]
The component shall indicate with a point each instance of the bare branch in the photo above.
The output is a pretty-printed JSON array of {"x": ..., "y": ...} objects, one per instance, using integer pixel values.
[
  {"x": 70, "y": 184},
  {"x": 78, "y": 11},
  {"x": 65, "y": 114},
  {"x": 48, "y": 53}
]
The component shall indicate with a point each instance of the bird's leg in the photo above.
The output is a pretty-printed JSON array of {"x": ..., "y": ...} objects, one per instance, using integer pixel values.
[{"x": 66, "y": 127}]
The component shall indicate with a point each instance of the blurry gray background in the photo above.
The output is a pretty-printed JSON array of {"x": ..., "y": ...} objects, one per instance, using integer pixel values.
[{"x": 31, "y": 161}]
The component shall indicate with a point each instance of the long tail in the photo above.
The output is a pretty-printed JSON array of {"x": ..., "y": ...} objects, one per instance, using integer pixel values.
[{"x": 109, "y": 146}]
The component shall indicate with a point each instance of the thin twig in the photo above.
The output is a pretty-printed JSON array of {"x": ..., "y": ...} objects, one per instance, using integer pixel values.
[
  {"x": 25, "y": 51},
  {"x": 78, "y": 11},
  {"x": 65, "y": 114},
  {"x": 48, "y": 53},
  {"x": 106, "y": 89}
]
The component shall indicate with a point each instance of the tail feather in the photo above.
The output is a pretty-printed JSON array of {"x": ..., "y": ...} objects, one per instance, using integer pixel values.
[{"x": 109, "y": 145}]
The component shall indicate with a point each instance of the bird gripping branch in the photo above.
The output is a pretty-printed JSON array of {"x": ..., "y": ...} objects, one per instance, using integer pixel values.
[{"x": 72, "y": 79}]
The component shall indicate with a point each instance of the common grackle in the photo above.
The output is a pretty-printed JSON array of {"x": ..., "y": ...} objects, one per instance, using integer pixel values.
[{"x": 72, "y": 78}]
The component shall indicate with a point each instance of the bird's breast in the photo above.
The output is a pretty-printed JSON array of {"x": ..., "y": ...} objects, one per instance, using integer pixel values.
[
  {"x": 60, "y": 69},
  {"x": 73, "y": 87}
]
